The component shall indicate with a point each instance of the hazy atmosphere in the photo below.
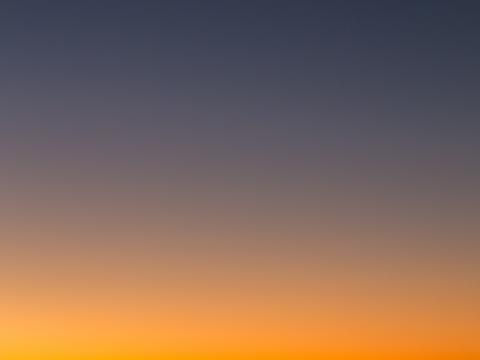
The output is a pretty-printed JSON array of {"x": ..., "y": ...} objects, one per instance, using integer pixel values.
[{"x": 261, "y": 179}]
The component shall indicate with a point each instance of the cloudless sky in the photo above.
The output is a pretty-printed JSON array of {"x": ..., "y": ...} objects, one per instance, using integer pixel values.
[{"x": 241, "y": 176}]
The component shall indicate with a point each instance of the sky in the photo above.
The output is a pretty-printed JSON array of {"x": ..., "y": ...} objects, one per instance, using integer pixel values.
[{"x": 261, "y": 179}]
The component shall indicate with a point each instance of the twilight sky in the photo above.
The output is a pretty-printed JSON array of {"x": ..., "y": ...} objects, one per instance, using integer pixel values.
[{"x": 263, "y": 177}]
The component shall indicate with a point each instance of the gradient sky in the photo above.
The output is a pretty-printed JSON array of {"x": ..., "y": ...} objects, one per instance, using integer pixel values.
[{"x": 264, "y": 177}]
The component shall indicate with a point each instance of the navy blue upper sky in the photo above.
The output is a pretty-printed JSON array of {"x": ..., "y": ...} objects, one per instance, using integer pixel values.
[{"x": 302, "y": 66}]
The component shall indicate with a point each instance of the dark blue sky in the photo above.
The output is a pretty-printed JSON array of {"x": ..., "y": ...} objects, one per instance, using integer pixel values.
[
  {"x": 393, "y": 64},
  {"x": 275, "y": 82}
]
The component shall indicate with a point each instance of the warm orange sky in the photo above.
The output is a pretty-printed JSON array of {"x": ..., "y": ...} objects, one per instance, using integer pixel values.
[
  {"x": 84, "y": 275},
  {"x": 238, "y": 260}
]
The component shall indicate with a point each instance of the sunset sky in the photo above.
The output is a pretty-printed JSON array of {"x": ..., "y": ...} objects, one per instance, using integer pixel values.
[{"x": 240, "y": 180}]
